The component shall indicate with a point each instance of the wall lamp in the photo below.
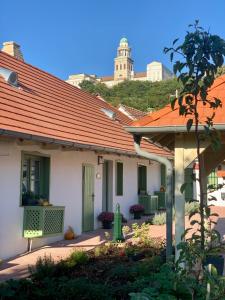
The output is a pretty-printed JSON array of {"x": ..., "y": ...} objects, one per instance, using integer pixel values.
[{"x": 100, "y": 160}]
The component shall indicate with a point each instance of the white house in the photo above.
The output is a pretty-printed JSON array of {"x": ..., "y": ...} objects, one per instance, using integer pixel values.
[{"x": 61, "y": 145}]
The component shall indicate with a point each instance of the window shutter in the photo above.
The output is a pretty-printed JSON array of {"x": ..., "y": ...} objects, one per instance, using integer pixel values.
[
  {"x": 189, "y": 184},
  {"x": 119, "y": 179},
  {"x": 142, "y": 179},
  {"x": 163, "y": 175}
]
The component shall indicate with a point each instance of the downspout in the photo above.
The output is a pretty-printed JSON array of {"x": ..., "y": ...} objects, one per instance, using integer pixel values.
[{"x": 169, "y": 179}]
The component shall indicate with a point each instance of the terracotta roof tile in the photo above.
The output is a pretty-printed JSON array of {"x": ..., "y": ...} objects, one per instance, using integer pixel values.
[
  {"x": 46, "y": 106},
  {"x": 139, "y": 74},
  {"x": 107, "y": 78},
  {"x": 133, "y": 112},
  {"x": 168, "y": 117}
]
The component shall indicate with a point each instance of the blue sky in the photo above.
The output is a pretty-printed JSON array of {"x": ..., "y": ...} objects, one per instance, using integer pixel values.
[{"x": 72, "y": 36}]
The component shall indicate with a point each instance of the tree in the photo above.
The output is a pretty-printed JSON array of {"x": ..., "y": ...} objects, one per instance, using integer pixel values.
[
  {"x": 201, "y": 54},
  {"x": 220, "y": 71},
  {"x": 138, "y": 94}
]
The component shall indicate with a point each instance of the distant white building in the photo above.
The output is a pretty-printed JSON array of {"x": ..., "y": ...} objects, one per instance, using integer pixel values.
[{"x": 124, "y": 70}]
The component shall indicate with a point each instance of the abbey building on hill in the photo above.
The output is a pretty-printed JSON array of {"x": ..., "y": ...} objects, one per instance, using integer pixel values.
[{"x": 124, "y": 70}]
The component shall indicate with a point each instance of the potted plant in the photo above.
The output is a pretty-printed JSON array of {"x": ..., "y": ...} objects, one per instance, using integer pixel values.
[
  {"x": 106, "y": 218},
  {"x": 137, "y": 210}
]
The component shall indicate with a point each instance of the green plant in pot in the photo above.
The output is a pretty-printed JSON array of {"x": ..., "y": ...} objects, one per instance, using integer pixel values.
[
  {"x": 137, "y": 210},
  {"x": 106, "y": 218}
]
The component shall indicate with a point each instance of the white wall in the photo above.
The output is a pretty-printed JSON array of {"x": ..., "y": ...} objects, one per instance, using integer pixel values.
[{"x": 65, "y": 190}]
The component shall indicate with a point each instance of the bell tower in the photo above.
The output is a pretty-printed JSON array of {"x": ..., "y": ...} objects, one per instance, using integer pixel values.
[{"x": 123, "y": 64}]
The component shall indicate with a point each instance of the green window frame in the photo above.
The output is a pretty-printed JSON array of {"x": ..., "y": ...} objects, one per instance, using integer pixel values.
[
  {"x": 119, "y": 178},
  {"x": 35, "y": 173},
  {"x": 213, "y": 179},
  {"x": 142, "y": 179}
]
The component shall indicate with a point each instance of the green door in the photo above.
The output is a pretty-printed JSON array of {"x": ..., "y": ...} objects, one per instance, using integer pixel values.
[{"x": 88, "y": 198}]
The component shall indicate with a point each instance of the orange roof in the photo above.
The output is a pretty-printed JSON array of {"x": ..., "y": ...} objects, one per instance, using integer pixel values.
[
  {"x": 220, "y": 173},
  {"x": 139, "y": 74},
  {"x": 47, "y": 107},
  {"x": 167, "y": 117},
  {"x": 133, "y": 112},
  {"x": 107, "y": 78}
]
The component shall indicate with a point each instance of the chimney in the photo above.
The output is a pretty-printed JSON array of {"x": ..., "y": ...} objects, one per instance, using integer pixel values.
[{"x": 13, "y": 49}]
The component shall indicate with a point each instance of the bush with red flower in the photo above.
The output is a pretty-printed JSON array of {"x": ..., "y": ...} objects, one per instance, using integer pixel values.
[
  {"x": 137, "y": 208},
  {"x": 106, "y": 216}
]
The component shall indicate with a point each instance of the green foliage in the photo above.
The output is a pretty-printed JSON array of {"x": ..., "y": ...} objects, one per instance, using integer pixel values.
[
  {"x": 138, "y": 94},
  {"x": 220, "y": 71},
  {"x": 45, "y": 267},
  {"x": 77, "y": 257},
  {"x": 159, "y": 219},
  {"x": 191, "y": 207}
]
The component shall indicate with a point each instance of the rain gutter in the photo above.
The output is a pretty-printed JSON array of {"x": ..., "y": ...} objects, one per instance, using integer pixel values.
[
  {"x": 42, "y": 139},
  {"x": 169, "y": 183},
  {"x": 167, "y": 129}
]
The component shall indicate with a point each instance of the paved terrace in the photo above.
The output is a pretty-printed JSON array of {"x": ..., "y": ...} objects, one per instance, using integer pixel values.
[{"x": 17, "y": 267}]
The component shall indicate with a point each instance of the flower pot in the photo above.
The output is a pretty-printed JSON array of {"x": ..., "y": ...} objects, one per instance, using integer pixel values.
[
  {"x": 106, "y": 224},
  {"x": 137, "y": 215},
  {"x": 217, "y": 261}
]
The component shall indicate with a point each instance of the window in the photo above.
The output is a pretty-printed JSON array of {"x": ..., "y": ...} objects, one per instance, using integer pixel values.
[
  {"x": 120, "y": 67},
  {"x": 35, "y": 179},
  {"x": 119, "y": 178},
  {"x": 124, "y": 66},
  {"x": 142, "y": 179},
  {"x": 116, "y": 67},
  {"x": 213, "y": 179}
]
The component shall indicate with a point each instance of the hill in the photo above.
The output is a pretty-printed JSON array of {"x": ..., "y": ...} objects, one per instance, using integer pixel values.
[{"x": 138, "y": 94}]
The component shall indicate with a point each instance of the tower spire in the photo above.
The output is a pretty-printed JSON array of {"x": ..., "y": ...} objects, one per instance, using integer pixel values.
[{"x": 123, "y": 64}]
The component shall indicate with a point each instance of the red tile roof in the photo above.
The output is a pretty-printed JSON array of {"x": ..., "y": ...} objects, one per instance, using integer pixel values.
[
  {"x": 139, "y": 74},
  {"x": 221, "y": 173},
  {"x": 168, "y": 117},
  {"x": 45, "y": 106},
  {"x": 134, "y": 113},
  {"x": 107, "y": 78}
]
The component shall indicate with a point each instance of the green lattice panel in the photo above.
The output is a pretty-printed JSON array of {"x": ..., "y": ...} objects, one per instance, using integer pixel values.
[
  {"x": 32, "y": 223},
  {"x": 43, "y": 221},
  {"x": 53, "y": 221}
]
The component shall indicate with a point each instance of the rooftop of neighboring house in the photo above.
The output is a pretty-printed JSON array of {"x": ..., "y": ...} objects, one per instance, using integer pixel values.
[
  {"x": 167, "y": 117},
  {"x": 45, "y": 108},
  {"x": 132, "y": 113},
  {"x": 161, "y": 125}
]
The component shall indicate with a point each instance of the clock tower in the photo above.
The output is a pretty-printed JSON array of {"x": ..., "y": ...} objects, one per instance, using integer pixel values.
[{"x": 123, "y": 64}]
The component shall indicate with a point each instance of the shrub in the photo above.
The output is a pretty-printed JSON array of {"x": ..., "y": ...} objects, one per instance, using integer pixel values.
[
  {"x": 106, "y": 216},
  {"x": 45, "y": 267},
  {"x": 77, "y": 258},
  {"x": 191, "y": 207},
  {"x": 159, "y": 219},
  {"x": 137, "y": 208}
]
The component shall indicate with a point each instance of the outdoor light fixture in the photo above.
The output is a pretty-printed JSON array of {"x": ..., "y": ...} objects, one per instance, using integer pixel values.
[{"x": 100, "y": 160}]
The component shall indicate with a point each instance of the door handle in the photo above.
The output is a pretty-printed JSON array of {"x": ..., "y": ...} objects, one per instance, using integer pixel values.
[{"x": 93, "y": 197}]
